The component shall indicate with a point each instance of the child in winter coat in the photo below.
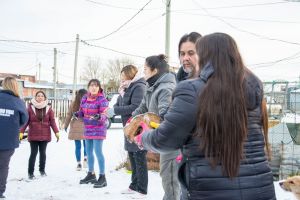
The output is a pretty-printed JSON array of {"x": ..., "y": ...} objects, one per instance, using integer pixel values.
[{"x": 92, "y": 109}]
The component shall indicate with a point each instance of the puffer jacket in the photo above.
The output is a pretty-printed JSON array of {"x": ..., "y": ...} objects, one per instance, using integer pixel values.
[
  {"x": 89, "y": 107},
  {"x": 127, "y": 104},
  {"x": 254, "y": 181},
  {"x": 40, "y": 130},
  {"x": 76, "y": 126}
]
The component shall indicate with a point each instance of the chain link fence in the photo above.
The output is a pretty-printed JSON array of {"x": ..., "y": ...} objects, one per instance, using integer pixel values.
[{"x": 283, "y": 104}]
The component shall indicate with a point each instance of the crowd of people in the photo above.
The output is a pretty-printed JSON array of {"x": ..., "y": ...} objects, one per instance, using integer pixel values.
[{"x": 212, "y": 138}]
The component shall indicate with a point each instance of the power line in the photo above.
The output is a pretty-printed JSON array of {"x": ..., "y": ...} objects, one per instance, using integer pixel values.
[
  {"x": 239, "y": 18},
  {"x": 238, "y": 6},
  {"x": 119, "y": 7},
  {"x": 36, "y": 42},
  {"x": 128, "y": 54},
  {"x": 245, "y": 31},
  {"x": 271, "y": 63},
  {"x": 126, "y": 22}
]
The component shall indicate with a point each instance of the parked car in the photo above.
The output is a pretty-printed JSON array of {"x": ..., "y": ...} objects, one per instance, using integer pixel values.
[{"x": 116, "y": 118}]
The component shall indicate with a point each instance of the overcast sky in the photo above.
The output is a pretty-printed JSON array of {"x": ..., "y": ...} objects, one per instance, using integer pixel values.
[{"x": 265, "y": 31}]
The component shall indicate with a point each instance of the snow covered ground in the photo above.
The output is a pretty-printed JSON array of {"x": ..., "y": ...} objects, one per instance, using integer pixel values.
[{"x": 62, "y": 182}]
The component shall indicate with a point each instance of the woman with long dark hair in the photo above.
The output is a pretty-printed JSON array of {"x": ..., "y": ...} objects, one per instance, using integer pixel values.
[
  {"x": 76, "y": 128},
  {"x": 217, "y": 121}
]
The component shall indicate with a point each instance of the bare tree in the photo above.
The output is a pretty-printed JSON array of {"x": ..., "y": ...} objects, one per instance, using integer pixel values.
[
  {"x": 114, "y": 67},
  {"x": 94, "y": 69}
]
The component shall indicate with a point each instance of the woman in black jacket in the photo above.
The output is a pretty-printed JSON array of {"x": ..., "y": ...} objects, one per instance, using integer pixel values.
[
  {"x": 13, "y": 115},
  {"x": 132, "y": 90},
  {"x": 217, "y": 122}
]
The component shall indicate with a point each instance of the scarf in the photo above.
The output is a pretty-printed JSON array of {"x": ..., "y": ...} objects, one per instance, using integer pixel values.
[
  {"x": 40, "y": 105},
  {"x": 125, "y": 84}
]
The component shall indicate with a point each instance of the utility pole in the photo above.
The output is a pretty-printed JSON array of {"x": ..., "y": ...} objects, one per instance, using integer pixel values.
[
  {"x": 40, "y": 66},
  {"x": 54, "y": 75},
  {"x": 75, "y": 67},
  {"x": 167, "y": 38}
]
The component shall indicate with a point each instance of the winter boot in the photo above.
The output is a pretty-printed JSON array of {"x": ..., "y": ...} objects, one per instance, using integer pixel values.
[
  {"x": 84, "y": 162},
  {"x": 31, "y": 176},
  {"x": 90, "y": 178},
  {"x": 79, "y": 167},
  {"x": 43, "y": 173},
  {"x": 101, "y": 181}
]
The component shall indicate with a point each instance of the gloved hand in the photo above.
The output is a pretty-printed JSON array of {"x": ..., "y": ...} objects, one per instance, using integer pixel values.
[
  {"x": 75, "y": 115},
  {"x": 179, "y": 158},
  {"x": 110, "y": 112},
  {"x": 138, "y": 138},
  {"x": 95, "y": 117},
  {"x": 57, "y": 136},
  {"x": 21, "y": 136},
  {"x": 154, "y": 124}
]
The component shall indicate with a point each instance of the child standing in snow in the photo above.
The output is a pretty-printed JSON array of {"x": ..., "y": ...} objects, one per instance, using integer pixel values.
[{"x": 92, "y": 108}]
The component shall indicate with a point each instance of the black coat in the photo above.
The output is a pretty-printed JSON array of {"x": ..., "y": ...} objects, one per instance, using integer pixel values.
[
  {"x": 254, "y": 181},
  {"x": 181, "y": 75},
  {"x": 13, "y": 115},
  {"x": 128, "y": 103}
]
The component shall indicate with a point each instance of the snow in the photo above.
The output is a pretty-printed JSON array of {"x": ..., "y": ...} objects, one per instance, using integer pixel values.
[{"x": 62, "y": 182}]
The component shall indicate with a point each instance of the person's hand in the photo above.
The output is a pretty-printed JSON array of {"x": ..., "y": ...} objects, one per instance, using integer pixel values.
[
  {"x": 75, "y": 115},
  {"x": 110, "y": 112},
  {"x": 21, "y": 136},
  {"x": 179, "y": 158},
  {"x": 57, "y": 136},
  {"x": 138, "y": 138},
  {"x": 154, "y": 124},
  {"x": 95, "y": 117}
]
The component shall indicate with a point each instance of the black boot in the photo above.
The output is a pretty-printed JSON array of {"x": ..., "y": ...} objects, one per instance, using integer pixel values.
[
  {"x": 101, "y": 181},
  {"x": 90, "y": 178}
]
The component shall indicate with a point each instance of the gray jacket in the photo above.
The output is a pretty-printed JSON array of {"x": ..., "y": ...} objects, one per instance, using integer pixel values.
[{"x": 158, "y": 97}]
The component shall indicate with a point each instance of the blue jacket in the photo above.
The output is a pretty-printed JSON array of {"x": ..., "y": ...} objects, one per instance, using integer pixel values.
[{"x": 13, "y": 115}]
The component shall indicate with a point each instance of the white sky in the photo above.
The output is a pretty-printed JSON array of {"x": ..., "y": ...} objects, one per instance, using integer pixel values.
[{"x": 61, "y": 20}]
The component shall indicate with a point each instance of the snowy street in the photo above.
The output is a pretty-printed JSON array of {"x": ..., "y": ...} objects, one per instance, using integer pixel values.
[{"x": 62, "y": 182}]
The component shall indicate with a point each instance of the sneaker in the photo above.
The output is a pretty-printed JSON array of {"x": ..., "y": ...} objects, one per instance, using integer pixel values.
[
  {"x": 138, "y": 195},
  {"x": 84, "y": 163},
  {"x": 128, "y": 191},
  {"x": 31, "y": 176},
  {"x": 101, "y": 181},
  {"x": 79, "y": 167},
  {"x": 90, "y": 178},
  {"x": 2, "y": 196},
  {"x": 43, "y": 173}
]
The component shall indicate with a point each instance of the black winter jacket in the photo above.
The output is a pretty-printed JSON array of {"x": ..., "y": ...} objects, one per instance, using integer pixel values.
[
  {"x": 128, "y": 103},
  {"x": 255, "y": 180}
]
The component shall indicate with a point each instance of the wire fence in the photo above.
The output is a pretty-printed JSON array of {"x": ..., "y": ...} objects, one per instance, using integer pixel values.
[{"x": 283, "y": 104}]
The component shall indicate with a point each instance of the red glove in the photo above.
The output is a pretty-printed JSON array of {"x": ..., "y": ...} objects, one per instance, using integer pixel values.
[
  {"x": 179, "y": 158},
  {"x": 138, "y": 138}
]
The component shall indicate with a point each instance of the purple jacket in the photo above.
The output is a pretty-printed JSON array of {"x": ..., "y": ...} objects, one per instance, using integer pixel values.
[{"x": 89, "y": 107}]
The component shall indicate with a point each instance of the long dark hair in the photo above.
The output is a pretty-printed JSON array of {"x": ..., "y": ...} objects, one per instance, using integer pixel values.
[
  {"x": 222, "y": 114},
  {"x": 79, "y": 94}
]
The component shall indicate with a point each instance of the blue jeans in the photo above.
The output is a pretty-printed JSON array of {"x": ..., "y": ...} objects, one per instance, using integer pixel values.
[
  {"x": 95, "y": 145},
  {"x": 78, "y": 149}
]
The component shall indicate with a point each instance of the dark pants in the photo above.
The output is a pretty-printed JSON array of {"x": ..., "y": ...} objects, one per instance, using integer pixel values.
[
  {"x": 36, "y": 146},
  {"x": 139, "y": 177},
  {"x": 5, "y": 156}
]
